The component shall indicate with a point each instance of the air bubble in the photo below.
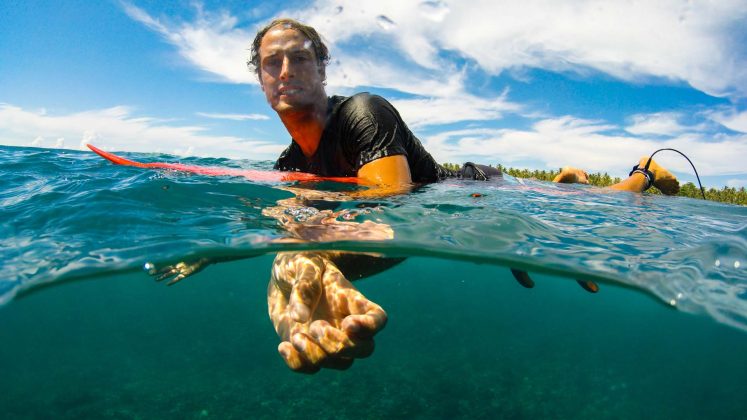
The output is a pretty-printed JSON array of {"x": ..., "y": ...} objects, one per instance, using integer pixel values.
[
  {"x": 150, "y": 268},
  {"x": 718, "y": 263},
  {"x": 736, "y": 264}
]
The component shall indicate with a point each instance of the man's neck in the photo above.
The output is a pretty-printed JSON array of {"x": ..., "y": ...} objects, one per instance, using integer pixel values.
[{"x": 306, "y": 127}]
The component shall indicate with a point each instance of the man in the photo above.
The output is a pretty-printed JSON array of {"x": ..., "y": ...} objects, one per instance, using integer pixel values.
[
  {"x": 362, "y": 135},
  {"x": 322, "y": 320}
]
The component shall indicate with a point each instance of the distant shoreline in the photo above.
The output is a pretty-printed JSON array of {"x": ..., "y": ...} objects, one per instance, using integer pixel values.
[{"x": 727, "y": 195}]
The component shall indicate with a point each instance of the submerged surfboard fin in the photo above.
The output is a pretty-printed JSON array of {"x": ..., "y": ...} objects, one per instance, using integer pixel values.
[
  {"x": 523, "y": 278},
  {"x": 588, "y": 285}
]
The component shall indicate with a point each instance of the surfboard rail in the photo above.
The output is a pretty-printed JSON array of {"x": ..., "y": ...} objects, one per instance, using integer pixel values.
[{"x": 250, "y": 174}]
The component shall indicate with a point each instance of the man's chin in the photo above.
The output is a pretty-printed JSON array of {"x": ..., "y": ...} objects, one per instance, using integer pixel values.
[{"x": 283, "y": 107}]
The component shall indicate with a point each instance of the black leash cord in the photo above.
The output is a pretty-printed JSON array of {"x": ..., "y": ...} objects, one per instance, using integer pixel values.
[{"x": 702, "y": 191}]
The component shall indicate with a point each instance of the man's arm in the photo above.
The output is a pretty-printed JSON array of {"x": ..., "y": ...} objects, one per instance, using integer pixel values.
[
  {"x": 386, "y": 176},
  {"x": 322, "y": 320},
  {"x": 387, "y": 171},
  {"x": 637, "y": 181}
]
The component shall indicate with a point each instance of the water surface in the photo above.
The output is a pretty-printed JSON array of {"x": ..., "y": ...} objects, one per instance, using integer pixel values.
[{"x": 664, "y": 337}]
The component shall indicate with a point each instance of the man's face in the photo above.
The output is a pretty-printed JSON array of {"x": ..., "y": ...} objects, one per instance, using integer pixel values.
[{"x": 290, "y": 75}]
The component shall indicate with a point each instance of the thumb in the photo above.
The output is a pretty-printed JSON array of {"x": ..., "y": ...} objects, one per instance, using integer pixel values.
[{"x": 306, "y": 292}]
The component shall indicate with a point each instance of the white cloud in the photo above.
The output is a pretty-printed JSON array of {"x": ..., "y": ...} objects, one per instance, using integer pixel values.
[
  {"x": 234, "y": 117},
  {"x": 409, "y": 46},
  {"x": 661, "y": 123},
  {"x": 591, "y": 145},
  {"x": 212, "y": 42},
  {"x": 355, "y": 71},
  {"x": 550, "y": 142},
  {"x": 695, "y": 42},
  {"x": 431, "y": 111},
  {"x": 117, "y": 129},
  {"x": 731, "y": 119},
  {"x": 737, "y": 183}
]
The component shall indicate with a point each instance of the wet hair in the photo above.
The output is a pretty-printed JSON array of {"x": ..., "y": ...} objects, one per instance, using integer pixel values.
[{"x": 321, "y": 51}]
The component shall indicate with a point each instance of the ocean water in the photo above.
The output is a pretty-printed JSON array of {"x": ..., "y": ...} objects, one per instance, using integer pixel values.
[{"x": 85, "y": 332}]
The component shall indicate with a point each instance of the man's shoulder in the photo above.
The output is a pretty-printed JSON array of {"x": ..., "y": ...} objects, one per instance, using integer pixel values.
[
  {"x": 360, "y": 104},
  {"x": 363, "y": 99}
]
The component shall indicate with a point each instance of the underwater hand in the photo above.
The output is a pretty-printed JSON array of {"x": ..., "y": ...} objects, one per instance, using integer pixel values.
[
  {"x": 180, "y": 271},
  {"x": 315, "y": 225},
  {"x": 322, "y": 320}
]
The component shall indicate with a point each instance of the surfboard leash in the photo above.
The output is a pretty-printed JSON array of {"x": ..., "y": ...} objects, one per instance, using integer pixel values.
[{"x": 648, "y": 163}]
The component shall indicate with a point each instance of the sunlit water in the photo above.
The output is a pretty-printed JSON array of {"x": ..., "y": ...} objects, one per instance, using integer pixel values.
[{"x": 664, "y": 337}]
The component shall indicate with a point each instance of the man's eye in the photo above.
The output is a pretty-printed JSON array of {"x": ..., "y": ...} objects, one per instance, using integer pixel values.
[{"x": 272, "y": 62}]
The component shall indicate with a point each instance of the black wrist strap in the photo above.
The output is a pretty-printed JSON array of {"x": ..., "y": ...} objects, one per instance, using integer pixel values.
[{"x": 645, "y": 172}]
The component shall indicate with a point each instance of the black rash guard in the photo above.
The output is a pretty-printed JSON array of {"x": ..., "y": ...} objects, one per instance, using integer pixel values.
[{"x": 359, "y": 130}]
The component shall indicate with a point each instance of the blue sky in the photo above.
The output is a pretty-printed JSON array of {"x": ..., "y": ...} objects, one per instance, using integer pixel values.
[{"x": 536, "y": 84}]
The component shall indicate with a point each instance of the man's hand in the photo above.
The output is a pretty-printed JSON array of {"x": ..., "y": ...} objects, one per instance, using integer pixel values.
[
  {"x": 571, "y": 175},
  {"x": 313, "y": 225},
  {"x": 322, "y": 320},
  {"x": 180, "y": 271}
]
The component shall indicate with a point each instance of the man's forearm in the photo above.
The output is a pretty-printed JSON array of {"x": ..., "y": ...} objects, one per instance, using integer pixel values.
[{"x": 356, "y": 266}]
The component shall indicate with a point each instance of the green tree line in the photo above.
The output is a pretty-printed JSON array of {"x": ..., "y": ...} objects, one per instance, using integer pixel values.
[{"x": 725, "y": 195}]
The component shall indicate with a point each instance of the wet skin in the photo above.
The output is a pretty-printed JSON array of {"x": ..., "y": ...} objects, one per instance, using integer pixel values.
[
  {"x": 290, "y": 75},
  {"x": 322, "y": 320}
]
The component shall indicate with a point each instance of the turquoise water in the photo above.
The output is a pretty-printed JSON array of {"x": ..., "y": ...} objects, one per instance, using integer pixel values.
[{"x": 664, "y": 337}]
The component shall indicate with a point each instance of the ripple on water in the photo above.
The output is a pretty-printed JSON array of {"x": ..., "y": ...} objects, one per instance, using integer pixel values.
[{"x": 69, "y": 214}]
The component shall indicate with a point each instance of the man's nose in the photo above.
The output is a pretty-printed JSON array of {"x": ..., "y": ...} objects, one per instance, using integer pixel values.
[{"x": 286, "y": 71}]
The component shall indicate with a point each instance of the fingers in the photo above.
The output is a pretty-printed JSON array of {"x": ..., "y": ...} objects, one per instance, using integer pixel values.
[
  {"x": 344, "y": 321},
  {"x": 365, "y": 326},
  {"x": 179, "y": 271},
  {"x": 176, "y": 279},
  {"x": 303, "y": 355},
  {"x": 308, "y": 348},
  {"x": 306, "y": 292},
  {"x": 337, "y": 344},
  {"x": 277, "y": 303},
  {"x": 360, "y": 317},
  {"x": 299, "y": 276},
  {"x": 165, "y": 273},
  {"x": 295, "y": 360}
]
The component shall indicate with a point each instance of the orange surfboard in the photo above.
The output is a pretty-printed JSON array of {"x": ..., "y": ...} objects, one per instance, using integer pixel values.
[{"x": 253, "y": 175}]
